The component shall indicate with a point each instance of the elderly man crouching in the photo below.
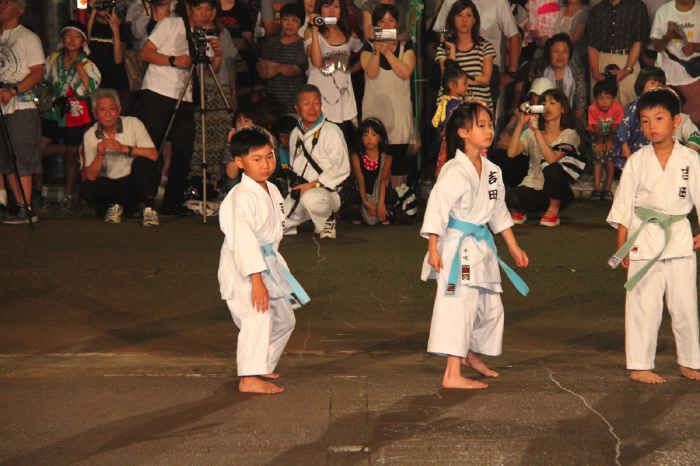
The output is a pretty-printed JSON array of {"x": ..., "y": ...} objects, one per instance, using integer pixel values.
[{"x": 119, "y": 165}]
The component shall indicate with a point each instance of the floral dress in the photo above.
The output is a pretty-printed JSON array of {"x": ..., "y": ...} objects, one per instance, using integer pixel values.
[{"x": 74, "y": 110}]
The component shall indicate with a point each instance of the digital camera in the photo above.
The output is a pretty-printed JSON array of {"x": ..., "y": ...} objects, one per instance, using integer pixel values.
[
  {"x": 104, "y": 4},
  {"x": 201, "y": 37},
  {"x": 447, "y": 35},
  {"x": 325, "y": 21},
  {"x": 384, "y": 34},
  {"x": 294, "y": 181},
  {"x": 525, "y": 107}
]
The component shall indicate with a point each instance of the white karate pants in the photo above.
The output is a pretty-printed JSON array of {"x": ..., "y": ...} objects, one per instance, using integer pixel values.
[
  {"x": 644, "y": 308},
  {"x": 262, "y": 336},
  {"x": 317, "y": 204},
  {"x": 471, "y": 319}
]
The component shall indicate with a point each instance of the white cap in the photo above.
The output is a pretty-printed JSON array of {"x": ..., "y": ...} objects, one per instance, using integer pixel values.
[{"x": 540, "y": 85}]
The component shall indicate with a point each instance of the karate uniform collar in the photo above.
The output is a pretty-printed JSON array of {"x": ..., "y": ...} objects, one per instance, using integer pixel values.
[
  {"x": 250, "y": 181},
  {"x": 317, "y": 124}
]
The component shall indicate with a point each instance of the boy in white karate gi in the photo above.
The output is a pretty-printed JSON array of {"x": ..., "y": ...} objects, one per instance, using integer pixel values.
[
  {"x": 469, "y": 194},
  {"x": 658, "y": 189},
  {"x": 253, "y": 277}
]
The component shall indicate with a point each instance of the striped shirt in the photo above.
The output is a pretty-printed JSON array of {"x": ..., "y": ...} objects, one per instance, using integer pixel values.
[
  {"x": 284, "y": 88},
  {"x": 472, "y": 62}
]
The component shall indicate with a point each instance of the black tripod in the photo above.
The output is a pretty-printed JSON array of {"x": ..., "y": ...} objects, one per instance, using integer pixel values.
[
  {"x": 10, "y": 150},
  {"x": 202, "y": 62}
]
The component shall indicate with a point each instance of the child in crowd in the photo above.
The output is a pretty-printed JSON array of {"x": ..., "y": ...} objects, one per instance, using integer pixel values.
[
  {"x": 468, "y": 195},
  {"x": 604, "y": 116},
  {"x": 629, "y": 137},
  {"x": 454, "y": 81},
  {"x": 253, "y": 277},
  {"x": 371, "y": 165},
  {"x": 658, "y": 189}
]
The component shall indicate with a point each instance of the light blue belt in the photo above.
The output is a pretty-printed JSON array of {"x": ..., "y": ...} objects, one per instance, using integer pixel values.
[
  {"x": 481, "y": 233},
  {"x": 298, "y": 297},
  {"x": 646, "y": 216}
]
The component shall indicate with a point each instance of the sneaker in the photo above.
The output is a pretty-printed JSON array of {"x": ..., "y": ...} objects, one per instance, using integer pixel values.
[
  {"x": 606, "y": 196},
  {"x": 518, "y": 218},
  {"x": 595, "y": 194},
  {"x": 329, "y": 228},
  {"x": 150, "y": 217},
  {"x": 550, "y": 221},
  {"x": 67, "y": 202},
  {"x": 20, "y": 217},
  {"x": 114, "y": 214}
]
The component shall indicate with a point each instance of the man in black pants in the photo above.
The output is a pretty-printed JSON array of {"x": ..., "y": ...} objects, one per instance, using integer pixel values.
[
  {"x": 120, "y": 162},
  {"x": 168, "y": 51}
]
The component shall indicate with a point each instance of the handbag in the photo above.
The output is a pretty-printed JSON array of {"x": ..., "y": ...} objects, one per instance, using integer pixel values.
[{"x": 692, "y": 66}]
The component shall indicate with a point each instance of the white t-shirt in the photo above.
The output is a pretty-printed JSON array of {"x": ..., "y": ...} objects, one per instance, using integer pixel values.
[
  {"x": 496, "y": 21},
  {"x": 689, "y": 22},
  {"x": 535, "y": 178},
  {"x": 116, "y": 165},
  {"x": 20, "y": 49},
  {"x": 170, "y": 39}
]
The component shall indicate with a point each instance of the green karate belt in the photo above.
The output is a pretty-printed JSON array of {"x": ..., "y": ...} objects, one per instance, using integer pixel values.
[{"x": 647, "y": 216}]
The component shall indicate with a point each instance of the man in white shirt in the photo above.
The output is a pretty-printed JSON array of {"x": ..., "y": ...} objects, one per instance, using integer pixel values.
[
  {"x": 169, "y": 52},
  {"x": 21, "y": 68},
  {"x": 119, "y": 166}
]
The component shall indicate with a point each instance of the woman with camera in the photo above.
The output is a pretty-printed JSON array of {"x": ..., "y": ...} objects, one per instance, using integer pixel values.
[
  {"x": 388, "y": 65},
  {"x": 329, "y": 44},
  {"x": 72, "y": 78},
  {"x": 463, "y": 44}
]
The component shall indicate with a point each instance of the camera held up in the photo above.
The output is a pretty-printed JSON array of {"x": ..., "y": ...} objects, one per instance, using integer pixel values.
[
  {"x": 104, "y": 4},
  {"x": 526, "y": 107},
  {"x": 321, "y": 21},
  {"x": 201, "y": 38},
  {"x": 384, "y": 34}
]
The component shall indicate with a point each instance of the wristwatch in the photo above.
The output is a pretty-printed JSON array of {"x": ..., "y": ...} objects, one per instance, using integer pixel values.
[
  {"x": 16, "y": 89},
  {"x": 318, "y": 184},
  {"x": 629, "y": 68},
  {"x": 171, "y": 60},
  {"x": 511, "y": 74},
  {"x": 131, "y": 149}
]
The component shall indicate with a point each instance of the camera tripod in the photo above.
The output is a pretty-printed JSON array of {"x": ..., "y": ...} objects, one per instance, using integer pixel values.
[
  {"x": 10, "y": 150},
  {"x": 202, "y": 64}
]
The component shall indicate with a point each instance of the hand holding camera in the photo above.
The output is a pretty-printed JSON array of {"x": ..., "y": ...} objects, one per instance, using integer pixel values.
[
  {"x": 318, "y": 21},
  {"x": 383, "y": 35}
]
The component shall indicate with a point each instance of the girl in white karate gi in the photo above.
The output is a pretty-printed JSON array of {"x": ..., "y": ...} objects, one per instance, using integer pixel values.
[
  {"x": 253, "y": 277},
  {"x": 468, "y": 195},
  {"x": 658, "y": 189}
]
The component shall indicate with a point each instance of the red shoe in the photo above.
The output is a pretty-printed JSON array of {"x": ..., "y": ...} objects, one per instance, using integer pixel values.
[
  {"x": 518, "y": 218},
  {"x": 550, "y": 221}
]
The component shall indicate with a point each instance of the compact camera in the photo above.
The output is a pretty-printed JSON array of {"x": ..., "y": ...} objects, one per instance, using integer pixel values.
[
  {"x": 525, "y": 107},
  {"x": 447, "y": 36},
  {"x": 104, "y": 4},
  {"x": 325, "y": 21},
  {"x": 294, "y": 181},
  {"x": 384, "y": 34}
]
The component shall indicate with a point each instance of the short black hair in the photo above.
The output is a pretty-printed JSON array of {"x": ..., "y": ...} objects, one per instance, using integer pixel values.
[
  {"x": 293, "y": 9},
  {"x": 382, "y": 9},
  {"x": 193, "y": 3},
  {"x": 561, "y": 37},
  {"x": 248, "y": 139},
  {"x": 567, "y": 120},
  {"x": 663, "y": 97},
  {"x": 451, "y": 74},
  {"x": 606, "y": 86},
  {"x": 646, "y": 75},
  {"x": 283, "y": 125},
  {"x": 308, "y": 88}
]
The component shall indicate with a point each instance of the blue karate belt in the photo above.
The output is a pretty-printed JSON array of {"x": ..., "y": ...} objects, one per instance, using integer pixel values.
[
  {"x": 646, "y": 216},
  {"x": 481, "y": 233},
  {"x": 298, "y": 297}
]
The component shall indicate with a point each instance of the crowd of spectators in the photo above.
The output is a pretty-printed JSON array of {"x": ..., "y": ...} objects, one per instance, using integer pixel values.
[{"x": 331, "y": 80}]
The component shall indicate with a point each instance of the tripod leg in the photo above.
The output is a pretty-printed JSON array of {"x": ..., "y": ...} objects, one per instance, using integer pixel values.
[{"x": 203, "y": 109}]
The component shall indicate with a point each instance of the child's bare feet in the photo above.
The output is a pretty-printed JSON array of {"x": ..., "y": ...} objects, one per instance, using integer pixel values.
[
  {"x": 646, "y": 377},
  {"x": 273, "y": 376},
  {"x": 474, "y": 362},
  {"x": 257, "y": 385},
  {"x": 462, "y": 382},
  {"x": 688, "y": 373}
]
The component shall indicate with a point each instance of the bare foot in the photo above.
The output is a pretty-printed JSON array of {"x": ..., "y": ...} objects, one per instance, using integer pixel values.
[
  {"x": 462, "y": 382},
  {"x": 688, "y": 373},
  {"x": 257, "y": 385},
  {"x": 474, "y": 362},
  {"x": 646, "y": 377},
  {"x": 273, "y": 376}
]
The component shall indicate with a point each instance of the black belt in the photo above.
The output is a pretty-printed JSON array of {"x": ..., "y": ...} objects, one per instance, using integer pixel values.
[{"x": 615, "y": 51}]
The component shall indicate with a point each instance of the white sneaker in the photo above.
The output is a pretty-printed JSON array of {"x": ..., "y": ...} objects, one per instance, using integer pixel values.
[
  {"x": 114, "y": 214},
  {"x": 327, "y": 233},
  {"x": 150, "y": 217}
]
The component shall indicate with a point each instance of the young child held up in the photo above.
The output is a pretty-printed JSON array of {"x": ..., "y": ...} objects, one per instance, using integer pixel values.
[
  {"x": 371, "y": 165},
  {"x": 468, "y": 199},
  {"x": 454, "y": 82},
  {"x": 658, "y": 189},
  {"x": 604, "y": 116},
  {"x": 253, "y": 277}
]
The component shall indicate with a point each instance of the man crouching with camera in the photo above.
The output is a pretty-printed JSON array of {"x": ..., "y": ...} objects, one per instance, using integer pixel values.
[
  {"x": 319, "y": 159},
  {"x": 170, "y": 51},
  {"x": 119, "y": 166}
]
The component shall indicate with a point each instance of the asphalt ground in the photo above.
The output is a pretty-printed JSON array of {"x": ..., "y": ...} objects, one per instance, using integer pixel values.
[{"x": 115, "y": 348}]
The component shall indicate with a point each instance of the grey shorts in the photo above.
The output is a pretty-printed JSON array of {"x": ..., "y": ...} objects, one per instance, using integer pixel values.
[{"x": 24, "y": 127}]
